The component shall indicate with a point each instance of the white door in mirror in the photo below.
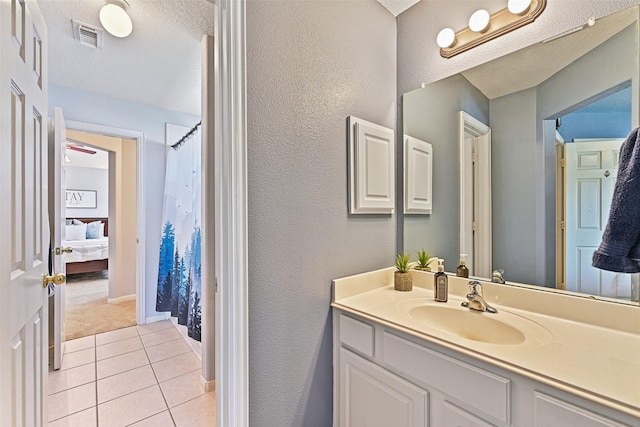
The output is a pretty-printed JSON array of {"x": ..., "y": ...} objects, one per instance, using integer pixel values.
[{"x": 590, "y": 170}]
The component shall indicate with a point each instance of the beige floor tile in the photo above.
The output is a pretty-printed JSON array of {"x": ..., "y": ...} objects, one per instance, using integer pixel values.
[
  {"x": 116, "y": 335},
  {"x": 118, "y": 347},
  {"x": 160, "y": 337},
  {"x": 163, "y": 419},
  {"x": 125, "y": 383},
  {"x": 176, "y": 366},
  {"x": 86, "y": 418},
  {"x": 198, "y": 412},
  {"x": 154, "y": 327},
  {"x": 71, "y": 401},
  {"x": 72, "y": 377},
  {"x": 181, "y": 389},
  {"x": 167, "y": 350},
  {"x": 78, "y": 358},
  {"x": 124, "y": 362},
  {"x": 80, "y": 344},
  {"x": 131, "y": 408}
]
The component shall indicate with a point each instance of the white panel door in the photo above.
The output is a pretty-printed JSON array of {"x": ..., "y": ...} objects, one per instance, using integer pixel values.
[
  {"x": 57, "y": 215},
  {"x": 591, "y": 169},
  {"x": 24, "y": 247}
]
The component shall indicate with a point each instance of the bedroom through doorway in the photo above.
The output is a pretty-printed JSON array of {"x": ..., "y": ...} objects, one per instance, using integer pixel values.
[{"x": 95, "y": 300}]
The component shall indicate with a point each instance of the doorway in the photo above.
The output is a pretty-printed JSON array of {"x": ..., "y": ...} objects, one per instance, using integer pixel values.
[
  {"x": 475, "y": 194},
  {"x": 125, "y": 211},
  {"x": 588, "y": 139}
]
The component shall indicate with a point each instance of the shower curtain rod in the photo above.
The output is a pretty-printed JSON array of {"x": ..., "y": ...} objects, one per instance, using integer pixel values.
[{"x": 186, "y": 136}]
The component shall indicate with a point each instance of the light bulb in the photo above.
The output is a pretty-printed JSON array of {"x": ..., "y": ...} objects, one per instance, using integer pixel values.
[
  {"x": 446, "y": 38},
  {"x": 479, "y": 21},
  {"x": 115, "y": 20},
  {"x": 519, "y": 7}
]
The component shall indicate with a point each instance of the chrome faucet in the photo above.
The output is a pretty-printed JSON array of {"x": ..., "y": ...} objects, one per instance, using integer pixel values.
[
  {"x": 476, "y": 301},
  {"x": 498, "y": 276}
]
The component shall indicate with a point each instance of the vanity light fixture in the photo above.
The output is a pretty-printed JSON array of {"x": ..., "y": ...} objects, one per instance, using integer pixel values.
[
  {"x": 446, "y": 37},
  {"x": 519, "y": 7},
  {"x": 479, "y": 21},
  {"x": 114, "y": 18},
  {"x": 484, "y": 27}
]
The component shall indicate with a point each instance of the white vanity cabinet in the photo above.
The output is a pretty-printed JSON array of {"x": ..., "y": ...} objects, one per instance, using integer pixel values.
[{"x": 386, "y": 377}]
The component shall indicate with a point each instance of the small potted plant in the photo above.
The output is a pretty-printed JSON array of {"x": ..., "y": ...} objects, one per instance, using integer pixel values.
[
  {"x": 423, "y": 258},
  {"x": 402, "y": 278}
]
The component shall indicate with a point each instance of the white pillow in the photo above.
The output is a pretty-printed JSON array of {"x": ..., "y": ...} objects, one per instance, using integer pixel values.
[
  {"x": 77, "y": 222},
  {"x": 101, "y": 232},
  {"x": 76, "y": 232}
]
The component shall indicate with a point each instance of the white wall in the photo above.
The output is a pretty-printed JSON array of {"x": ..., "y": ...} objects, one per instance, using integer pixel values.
[
  {"x": 103, "y": 110},
  {"x": 81, "y": 178}
]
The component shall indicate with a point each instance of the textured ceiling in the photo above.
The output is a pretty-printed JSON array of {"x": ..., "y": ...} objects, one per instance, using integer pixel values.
[
  {"x": 158, "y": 64},
  {"x": 396, "y": 7},
  {"x": 523, "y": 69}
]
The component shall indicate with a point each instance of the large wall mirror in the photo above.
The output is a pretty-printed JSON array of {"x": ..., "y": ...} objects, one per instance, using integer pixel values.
[{"x": 557, "y": 112}]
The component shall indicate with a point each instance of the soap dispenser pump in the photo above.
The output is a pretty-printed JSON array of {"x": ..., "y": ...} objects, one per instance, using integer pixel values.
[
  {"x": 462, "y": 270},
  {"x": 441, "y": 284}
]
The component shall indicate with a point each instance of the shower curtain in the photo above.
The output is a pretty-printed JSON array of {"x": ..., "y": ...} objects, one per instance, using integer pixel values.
[{"x": 179, "y": 271}]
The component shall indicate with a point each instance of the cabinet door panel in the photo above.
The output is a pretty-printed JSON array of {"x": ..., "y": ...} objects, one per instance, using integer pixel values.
[{"x": 374, "y": 397}]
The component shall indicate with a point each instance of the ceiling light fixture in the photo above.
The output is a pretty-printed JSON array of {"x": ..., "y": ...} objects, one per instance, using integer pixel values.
[
  {"x": 114, "y": 18},
  {"x": 484, "y": 27}
]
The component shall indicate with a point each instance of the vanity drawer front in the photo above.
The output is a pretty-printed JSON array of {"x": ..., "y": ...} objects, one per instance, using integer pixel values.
[
  {"x": 357, "y": 335},
  {"x": 550, "y": 411},
  {"x": 482, "y": 390}
]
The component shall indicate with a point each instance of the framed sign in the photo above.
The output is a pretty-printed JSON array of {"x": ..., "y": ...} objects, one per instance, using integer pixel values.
[{"x": 85, "y": 199}]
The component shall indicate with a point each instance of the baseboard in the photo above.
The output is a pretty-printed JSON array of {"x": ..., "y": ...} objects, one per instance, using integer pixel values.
[
  {"x": 121, "y": 299},
  {"x": 207, "y": 386},
  {"x": 157, "y": 318}
]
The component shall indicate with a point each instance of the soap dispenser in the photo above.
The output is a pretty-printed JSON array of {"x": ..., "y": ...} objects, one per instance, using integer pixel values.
[
  {"x": 441, "y": 283},
  {"x": 462, "y": 270}
]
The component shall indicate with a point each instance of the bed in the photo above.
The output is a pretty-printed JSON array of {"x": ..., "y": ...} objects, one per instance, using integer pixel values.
[{"x": 88, "y": 237}]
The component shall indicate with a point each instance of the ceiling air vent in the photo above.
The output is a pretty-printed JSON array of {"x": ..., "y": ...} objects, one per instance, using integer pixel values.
[{"x": 87, "y": 35}]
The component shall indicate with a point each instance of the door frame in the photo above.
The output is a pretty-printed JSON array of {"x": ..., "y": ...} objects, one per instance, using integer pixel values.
[
  {"x": 139, "y": 137},
  {"x": 229, "y": 178},
  {"x": 475, "y": 230}
]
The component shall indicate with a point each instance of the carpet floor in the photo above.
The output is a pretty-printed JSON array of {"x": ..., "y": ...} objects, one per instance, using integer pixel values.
[{"x": 87, "y": 310}]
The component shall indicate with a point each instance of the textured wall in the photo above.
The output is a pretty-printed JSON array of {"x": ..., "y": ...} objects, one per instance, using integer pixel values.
[
  {"x": 103, "y": 110},
  {"x": 513, "y": 177},
  {"x": 310, "y": 64}
]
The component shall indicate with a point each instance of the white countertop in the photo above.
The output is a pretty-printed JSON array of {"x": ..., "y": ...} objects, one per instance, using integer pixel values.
[{"x": 598, "y": 363}]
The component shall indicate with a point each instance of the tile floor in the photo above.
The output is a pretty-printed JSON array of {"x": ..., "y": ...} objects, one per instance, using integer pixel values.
[{"x": 138, "y": 376}]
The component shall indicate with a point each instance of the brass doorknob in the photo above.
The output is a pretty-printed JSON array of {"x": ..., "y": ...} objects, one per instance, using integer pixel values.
[
  {"x": 56, "y": 279},
  {"x": 62, "y": 250}
]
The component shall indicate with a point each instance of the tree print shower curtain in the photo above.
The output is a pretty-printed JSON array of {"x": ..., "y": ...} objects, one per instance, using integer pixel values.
[{"x": 179, "y": 271}]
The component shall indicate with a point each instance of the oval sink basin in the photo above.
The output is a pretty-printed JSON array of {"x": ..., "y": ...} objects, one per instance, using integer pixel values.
[{"x": 494, "y": 328}]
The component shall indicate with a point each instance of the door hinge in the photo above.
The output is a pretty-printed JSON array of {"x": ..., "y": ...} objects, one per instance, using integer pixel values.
[
  {"x": 563, "y": 163},
  {"x": 562, "y": 225},
  {"x": 474, "y": 226},
  {"x": 474, "y": 157}
]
